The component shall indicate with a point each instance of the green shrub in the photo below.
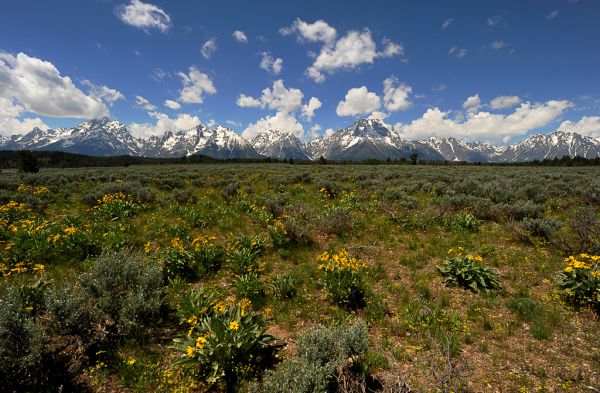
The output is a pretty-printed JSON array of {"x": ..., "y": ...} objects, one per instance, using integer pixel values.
[
  {"x": 21, "y": 342},
  {"x": 184, "y": 196},
  {"x": 337, "y": 220},
  {"x": 541, "y": 227},
  {"x": 327, "y": 358},
  {"x": 463, "y": 221},
  {"x": 284, "y": 286},
  {"x": 287, "y": 232},
  {"x": 126, "y": 289},
  {"x": 467, "y": 272},
  {"x": 250, "y": 286},
  {"x": 243, "y": 260}
]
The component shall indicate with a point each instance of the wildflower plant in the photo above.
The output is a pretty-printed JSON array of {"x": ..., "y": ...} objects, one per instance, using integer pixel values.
[
  {"x": 227, "y": 343},
  {"x": 579, "y": 282},
  {"x": 115, "y": 207},
  {"x": 467, "y": 271},
  {"x": 343, "y": 278}
]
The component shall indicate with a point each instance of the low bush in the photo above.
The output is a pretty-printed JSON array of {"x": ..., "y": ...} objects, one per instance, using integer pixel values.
[
  {"x": 328, "y": 359},
  {"x": 462, "y": 221},
  {"x": 284, "y": 286},
  {"x": 250, "y": 286},
  {"x": 466, "y": 271}
]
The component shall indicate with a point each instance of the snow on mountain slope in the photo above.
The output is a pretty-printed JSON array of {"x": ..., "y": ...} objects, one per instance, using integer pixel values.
[
  {"x": 278, "y": 144},
  {"x": 365, "y": 139}
]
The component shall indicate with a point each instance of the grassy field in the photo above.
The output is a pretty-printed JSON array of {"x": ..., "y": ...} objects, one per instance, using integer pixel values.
[{"x": 301, "y": 279}]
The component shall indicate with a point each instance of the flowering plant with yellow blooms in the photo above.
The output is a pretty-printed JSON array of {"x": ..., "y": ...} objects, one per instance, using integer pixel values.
[
  {"x": 343, "y": 278},
  {"x": 227, "y": 340},
  {"x": 579, "y": 281}
]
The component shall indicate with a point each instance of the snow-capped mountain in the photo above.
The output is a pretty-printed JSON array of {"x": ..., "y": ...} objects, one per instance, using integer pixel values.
[
  {"x": 367, "y": 138},
  {"x": 453, "y": 149},
  {"x": 278, "y": 144},
  {"x": 99, "y": 137},
  {"x": 218, "y": 142},
  {"x": 557, "y": 144}
]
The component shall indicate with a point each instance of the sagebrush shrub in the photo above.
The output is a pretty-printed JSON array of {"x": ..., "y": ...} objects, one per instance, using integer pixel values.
[
  {"x": 126, "y": 289},
  {"x": 326, "y": 357}
]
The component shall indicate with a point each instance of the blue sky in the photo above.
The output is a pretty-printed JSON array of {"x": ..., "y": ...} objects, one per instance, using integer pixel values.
[{"x": 430, "y": 68}]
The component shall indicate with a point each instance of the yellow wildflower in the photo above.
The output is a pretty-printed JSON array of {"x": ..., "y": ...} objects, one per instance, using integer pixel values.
[
  {"x": 234, "y": 325},
  {"x": 200, "y": 342},
  {"x": 190, "y": 351}
]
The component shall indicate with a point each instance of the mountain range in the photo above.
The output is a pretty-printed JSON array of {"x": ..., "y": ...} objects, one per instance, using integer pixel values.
[{"x": 365, "y": 139}]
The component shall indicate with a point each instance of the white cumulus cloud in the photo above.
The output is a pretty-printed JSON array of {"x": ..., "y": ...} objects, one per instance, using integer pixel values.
[
  {"x": 144, "y": 16},
  {"x": 348, "y": 52},
  {"x": 503, "y": 102},
  {"x": 11, "y": 124},
  {"x": 308, "y": 110},
  {"x": 281, "y": 121},
  {"x": 104, "y": 93},
  {"x": 270, "y": 64},
  {"x": 172, "y": 104},
  {"x": 358, "y": 101},
  {"x": 587, "y": 125},
  {"x": 472, "y": 104},
  {"x": 144, "y": 103},
  {"x": 319, "y": 31},
  {"x": 497, "y": 45},
  {"x": 209, "y": 48},
  {"x": 286, "y": 102},
  {"x": 240, "y": 36},
  {"x": 195, "y": 85},
  {"x": 396, "y": 95},
  {"x": 485, "y": 126},
  {"x": 163, "y": 123},
  {"x": 279, "y": 98},
  {"x": 245, "y": 101},
  {"x": 38, "y": 87}
]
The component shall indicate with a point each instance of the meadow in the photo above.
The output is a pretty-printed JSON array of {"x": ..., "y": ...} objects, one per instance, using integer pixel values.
[{"x": 292, "y": 278}]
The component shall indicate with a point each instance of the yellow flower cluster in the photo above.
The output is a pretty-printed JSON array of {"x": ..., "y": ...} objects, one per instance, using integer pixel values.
[
  {"x": 325, "y": 193},
  {"x": 202, "y": 241},
  {"x": 177, "y": 244},
  {"x": 255, "y": 208},
  {"x": 339, "y": 261},
  {"x": 477, "y": 258},
  {"x": 30, "y": 226},
  {"x": 14, "y": 206},
  {"x": 458, "y": 251},
  {"x": 279, "y": 226},
  {"x": 20, "y": 267},
  {"x": 148, "y": 247},
  {"x": 35, "y": 190},
  {"x": 582, "y": 262},
  {"x": 107, "y": 198}
]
